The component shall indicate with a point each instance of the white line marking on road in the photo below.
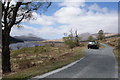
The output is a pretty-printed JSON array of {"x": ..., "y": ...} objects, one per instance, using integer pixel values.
[{"x": 55, "y": 71}]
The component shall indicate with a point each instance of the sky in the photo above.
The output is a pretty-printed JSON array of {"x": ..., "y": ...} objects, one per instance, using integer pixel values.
[{"x": 61, "y": 17}]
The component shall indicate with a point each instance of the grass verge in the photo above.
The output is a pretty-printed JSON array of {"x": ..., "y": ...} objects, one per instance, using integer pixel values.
[
  {"x": 116, "y": 51},
  {"x": 29, "y": 62},
  {"x": 102, "y": 46}
]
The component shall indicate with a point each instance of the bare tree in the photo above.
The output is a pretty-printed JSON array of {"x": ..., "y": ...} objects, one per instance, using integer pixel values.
[
  {"x": 76, "y": 38},
  {"x": 90, "y": 38},
  {"x": 72, "y": 39},
  {"x": 100, "y": 35},
  {"x": 13, "y": 14}
]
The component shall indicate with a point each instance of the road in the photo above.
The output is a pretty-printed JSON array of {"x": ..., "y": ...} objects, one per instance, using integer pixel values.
[{"x": 98, "y": 63}]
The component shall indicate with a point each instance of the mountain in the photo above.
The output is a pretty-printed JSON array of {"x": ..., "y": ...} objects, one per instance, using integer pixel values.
[
  {"x": 110, "y": 34},
  {"x": 84, "y": 36},
  {"x": 29, "y": 37},
  {"x": 106, "y": 34},
  {"x": 56, "y": 40},
  {"x": 14, "y": 40}
]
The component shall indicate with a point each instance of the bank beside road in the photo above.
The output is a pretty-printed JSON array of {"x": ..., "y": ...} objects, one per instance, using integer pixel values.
[{"x": 33, "y": 61}]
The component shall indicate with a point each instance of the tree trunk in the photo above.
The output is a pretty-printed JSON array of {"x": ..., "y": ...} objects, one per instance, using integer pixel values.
[
  {"x": 6, "y": 66},
  {"x": 77, "y": 39}
]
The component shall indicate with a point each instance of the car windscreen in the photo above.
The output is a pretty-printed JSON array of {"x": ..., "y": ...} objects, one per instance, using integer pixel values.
[{"x": 92, "y": 43}]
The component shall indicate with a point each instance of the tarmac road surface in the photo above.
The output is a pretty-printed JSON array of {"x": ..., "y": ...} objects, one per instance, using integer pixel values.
[{"x": 98, "y": 63}]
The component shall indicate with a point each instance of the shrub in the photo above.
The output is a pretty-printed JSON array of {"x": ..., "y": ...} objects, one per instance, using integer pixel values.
[
  {"x": 118, "y": 44},
  {"x": 24, "y": 64},
  {"x": 70, "y": 42},
  {"x": 36, "y": 48}
]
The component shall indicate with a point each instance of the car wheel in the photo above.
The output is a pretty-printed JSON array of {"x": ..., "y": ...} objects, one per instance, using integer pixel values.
[{"x": 97, "y": 48}]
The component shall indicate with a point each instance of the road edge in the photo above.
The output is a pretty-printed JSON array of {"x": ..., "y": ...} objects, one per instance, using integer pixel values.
[{"x": 55, "y": 71}]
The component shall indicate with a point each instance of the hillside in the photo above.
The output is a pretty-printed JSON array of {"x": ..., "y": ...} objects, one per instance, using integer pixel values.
[
  {"x": 29, "y": 38},
  {"x": 84, "y": 36},
  {"x": 14, "y": 40},
  {"x": 113, "y": 41}
]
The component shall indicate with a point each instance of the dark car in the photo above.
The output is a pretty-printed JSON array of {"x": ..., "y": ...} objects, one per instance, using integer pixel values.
[{"x": 93, "y": 45}]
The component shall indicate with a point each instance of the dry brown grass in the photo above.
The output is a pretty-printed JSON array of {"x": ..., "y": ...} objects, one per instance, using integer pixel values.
[
  {"x": 41, "y": 59},
  {"x": 112, "y": 41}
]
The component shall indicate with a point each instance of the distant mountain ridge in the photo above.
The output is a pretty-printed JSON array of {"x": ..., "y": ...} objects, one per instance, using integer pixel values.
[
  {"x": 29, "y": 38},
  {"x": 84, "y": 36},
  {"x": 14, "y": 40}
]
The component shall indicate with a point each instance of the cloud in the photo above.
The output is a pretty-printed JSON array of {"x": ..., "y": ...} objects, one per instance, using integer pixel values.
[
  {"x": 72, "y": 3},
  {"x": 88, "y": 20},
  {"x": 95, "y": 7},
  {"x": 72, "y": 15},
  {"x": 41, "y": 19}
]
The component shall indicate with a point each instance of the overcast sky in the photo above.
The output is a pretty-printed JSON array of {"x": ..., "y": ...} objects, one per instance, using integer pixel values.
[{"x": 61, "y": 17}]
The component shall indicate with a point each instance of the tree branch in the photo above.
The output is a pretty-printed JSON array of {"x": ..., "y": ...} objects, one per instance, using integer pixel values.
[
  {"x": 15, "y": 14},
  {"x": 2, "y": 21},
  {"x": 20, "y": 20},
  {"x": 22, "y": 16},
  {"x": 10, "y": 11},
  {"x": 26, "y": 3},
  {"x": 5, "y": 17},
  {"x": 5, "y": 13},
  {"x": 3, "y": 8},
  {"x": 8, "y": 3},
  {"x": 49, "y": 5}
]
